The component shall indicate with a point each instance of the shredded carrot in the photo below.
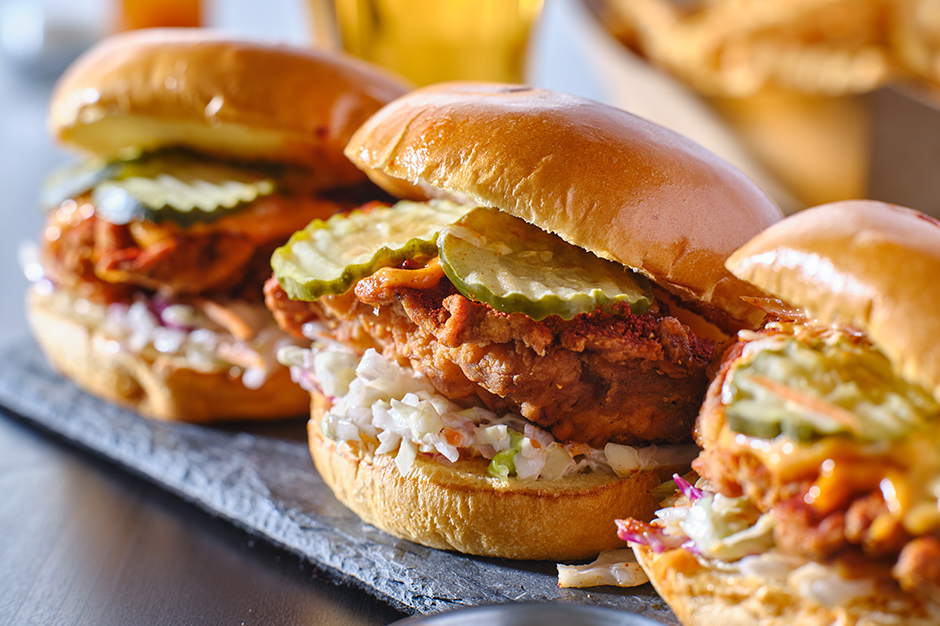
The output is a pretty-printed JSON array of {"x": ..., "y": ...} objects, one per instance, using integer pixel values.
[
  {"x": 452, "y": 436},
  {"x": 227, "y": 316}
]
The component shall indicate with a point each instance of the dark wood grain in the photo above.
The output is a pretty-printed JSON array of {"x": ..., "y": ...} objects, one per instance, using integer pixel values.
[{"x": 83, "y": 542}]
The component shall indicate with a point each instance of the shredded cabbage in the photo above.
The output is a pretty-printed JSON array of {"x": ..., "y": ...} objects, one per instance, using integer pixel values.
[
  {"x": 727, "y": 528},
  {"x": 159, "y": 326},
  {"x": 709, "y": 524},
  {"x": 732, "y": 531},
  {"x": 614, "y": 567},
  {"x": 376, "y": 400}
]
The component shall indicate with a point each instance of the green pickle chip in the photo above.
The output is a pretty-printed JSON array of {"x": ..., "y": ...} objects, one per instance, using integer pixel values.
[
  {"x": 811, "y": 389},
  {"x": 329, "y": 257},
  {"x": 178, "y": 188},
  {"x": 159, "y": 186},
  {"x": 75, "y": 179},
  {"x": 513, "y": 266}
]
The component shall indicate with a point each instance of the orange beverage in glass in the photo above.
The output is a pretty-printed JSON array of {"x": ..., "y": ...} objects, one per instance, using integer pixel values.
[
  {"x": 433, "y": 40},
  {"x": 134, "y": 14}
]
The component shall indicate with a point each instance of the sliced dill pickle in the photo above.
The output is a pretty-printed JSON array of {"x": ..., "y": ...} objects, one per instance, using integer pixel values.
[
  {"x": 739, "y": 422},
  {"x": 769, "y": 427},
  {"x": 807, "y": 389},
  {"x": 178, "y": 188},
  {"x": 516, "y": 267},
  {"x": 73, "y": 180},
  {"x": 329, "y": 257}
]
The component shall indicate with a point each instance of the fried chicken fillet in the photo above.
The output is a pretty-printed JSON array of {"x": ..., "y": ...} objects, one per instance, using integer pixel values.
[{"x": 601, "y": 377}]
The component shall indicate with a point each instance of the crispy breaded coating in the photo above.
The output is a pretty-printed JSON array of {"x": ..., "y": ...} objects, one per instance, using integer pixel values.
[{"x": 632, "y": 379}]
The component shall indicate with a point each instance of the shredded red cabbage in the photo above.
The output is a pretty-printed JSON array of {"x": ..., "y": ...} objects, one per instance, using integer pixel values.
[
  {"x": 159, "y": 303},
  {"x": 690, "y": 546},
  {"x": 646, "y": 534},
  {"x": 305, "y": 379},
  {"x": 688, "y": 490}
]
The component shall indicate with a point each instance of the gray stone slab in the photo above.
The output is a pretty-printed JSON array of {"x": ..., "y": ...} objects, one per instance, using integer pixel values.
[{"x": 262, "y": 479}]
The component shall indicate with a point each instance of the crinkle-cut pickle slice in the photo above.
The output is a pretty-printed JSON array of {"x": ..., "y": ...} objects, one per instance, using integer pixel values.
[
  {"x": 75, "y": 179},
  {"x": 811, "y": 390},
  {"x": 180, "y": 189},
  {"x": 329, "y": 257},
  {"x": 513, "y": 266}
]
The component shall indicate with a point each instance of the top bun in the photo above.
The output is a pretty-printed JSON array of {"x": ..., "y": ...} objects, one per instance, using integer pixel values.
[
  {"x": 600, "y": 178},
  {"x": 867, "y": 264},
  {"x": 190, "y": 88}
]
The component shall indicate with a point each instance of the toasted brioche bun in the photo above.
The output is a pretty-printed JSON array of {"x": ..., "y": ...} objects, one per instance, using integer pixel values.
[
  {"x": 704, "y": 596},
  {"x": 153, "y": 385},
  {"x": 461, "y": 508},
  {"x": 602, "y": 179},
  {"x": 867, "y": 264},
  {"x": 190, "y": 88}
]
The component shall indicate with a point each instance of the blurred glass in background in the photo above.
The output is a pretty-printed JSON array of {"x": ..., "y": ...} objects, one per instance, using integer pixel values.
[
  {"x": 431, "y": 40},
  {"x": 133, "y": 14}
]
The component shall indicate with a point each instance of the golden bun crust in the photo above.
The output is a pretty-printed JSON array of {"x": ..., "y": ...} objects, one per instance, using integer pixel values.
[
  {"x": 600, "y": 178},
  {"x": 201, "y": 90},
  {"x": 705, "y": 596},
  {"x": 871, "y": 265},
  {"x": 159, "y": 387},
  {"x": 461, "y": 508}
]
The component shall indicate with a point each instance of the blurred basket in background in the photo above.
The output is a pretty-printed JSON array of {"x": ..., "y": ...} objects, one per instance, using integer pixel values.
[{"x": 794, "y": 77}]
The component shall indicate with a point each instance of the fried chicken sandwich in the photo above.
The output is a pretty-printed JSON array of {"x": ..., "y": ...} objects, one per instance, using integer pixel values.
[
  {"x": 518, "y": 351},
  {"x": 200, "y": 155},
  {"x": 819, "y": 501}
]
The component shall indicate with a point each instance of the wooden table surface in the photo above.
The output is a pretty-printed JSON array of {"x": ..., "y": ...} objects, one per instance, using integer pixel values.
[{"x": 84, "y": 542}]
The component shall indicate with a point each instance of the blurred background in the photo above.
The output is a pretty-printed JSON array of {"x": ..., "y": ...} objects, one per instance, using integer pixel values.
[{"x": 816, "y": 100}]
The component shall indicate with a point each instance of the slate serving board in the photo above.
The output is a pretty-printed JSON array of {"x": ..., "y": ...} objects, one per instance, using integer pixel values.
[{"x": 261, "y": 477}]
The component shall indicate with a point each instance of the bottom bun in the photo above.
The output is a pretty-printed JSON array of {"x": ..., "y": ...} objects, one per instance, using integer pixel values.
[
  {"x": 460, "y": 507},
  {"x": 156, "y": 386},
  {"x": 701, "y": 595}
]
